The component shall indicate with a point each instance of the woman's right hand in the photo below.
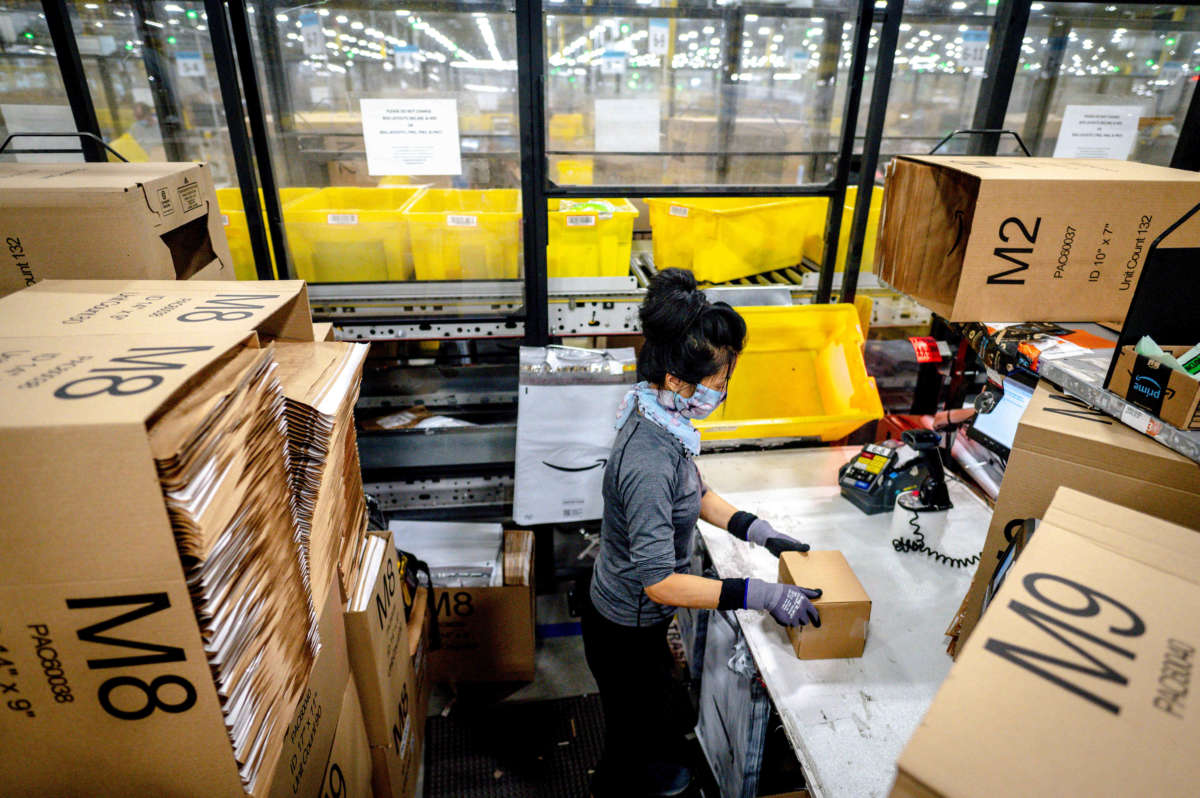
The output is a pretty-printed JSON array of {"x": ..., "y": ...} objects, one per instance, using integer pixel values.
[{"x": 790, "y": 605}]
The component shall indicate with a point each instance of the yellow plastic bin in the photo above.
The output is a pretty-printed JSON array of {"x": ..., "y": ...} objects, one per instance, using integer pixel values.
[
  {"x": 814, "y": 243},
  {"x": 590, "y": 238},
  {"x": 502, "y": 124},
  {"x": 466, "y": 234},
  {"x": 351, "y": 234},
  {"x": 801, "y": 375},
  {"x": 574, "y": 171},
  {"x": 237, "y": 231},
  {"x": 565, "y": 126},
  {"x": 724, "y": 238}
]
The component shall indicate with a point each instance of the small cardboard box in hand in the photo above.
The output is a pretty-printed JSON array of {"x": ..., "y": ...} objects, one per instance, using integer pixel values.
[{"x": 844, "y": 606}]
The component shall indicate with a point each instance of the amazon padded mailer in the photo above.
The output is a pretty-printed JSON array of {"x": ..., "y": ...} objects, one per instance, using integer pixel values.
[{"x": 567, "y": 405}]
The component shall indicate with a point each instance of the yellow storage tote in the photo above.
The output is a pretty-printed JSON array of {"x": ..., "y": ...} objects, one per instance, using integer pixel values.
[
  {"x": 350, "y": 234},
  {"x": 565, "y": 127},
  {"x": 590, "y": 238},
  {"x": 802, "y": 375},
  {"x": 466, "y": 234},
  {"x": 573, "y": 171},
  {"x": 815, "y": 242},
  {"x": 724, "y": 238},
  {"x": 237, "y": 231}
]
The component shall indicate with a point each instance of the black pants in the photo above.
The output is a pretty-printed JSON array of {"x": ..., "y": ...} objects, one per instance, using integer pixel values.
[{"x": 632, "y": 667}]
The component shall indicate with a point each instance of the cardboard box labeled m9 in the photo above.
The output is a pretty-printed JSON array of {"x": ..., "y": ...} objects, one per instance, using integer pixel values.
[
  {"x": 156, "y": 221},
  {"x": 1014, "y": 239},
  {"x": 1078, "y": 678},
  {"x": 844, "y": 606}
]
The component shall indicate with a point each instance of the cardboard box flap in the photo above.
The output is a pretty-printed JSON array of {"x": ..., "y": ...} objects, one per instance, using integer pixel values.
[
  {"x": 1058, "y": 426},
  {"x": 1075, "y": 680},
  {"x": 827, "y": 570},
  {"x": 276, "y": 308},
  {"x": 104, "y": 379},
  {"x": 18, "y": 180},
  {"x": 1055, "y": 169},
  {"x": 1152, "y": 541}
]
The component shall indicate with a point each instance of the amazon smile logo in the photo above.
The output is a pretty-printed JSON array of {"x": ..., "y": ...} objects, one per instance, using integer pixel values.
[{"x": 598, "y": 464}]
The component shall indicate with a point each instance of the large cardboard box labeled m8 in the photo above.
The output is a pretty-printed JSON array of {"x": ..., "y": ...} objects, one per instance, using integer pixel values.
[
  {"x": 1078, "y": 678},
  {"x": 272, "y": 308},
  {"x": 487, "y": 632},
  {"x": 155, "y": 221},
  {"x": 1018, "y": 239},
  {"x": 1060, "y": 442},
  {"x": 111, "y": 690}
]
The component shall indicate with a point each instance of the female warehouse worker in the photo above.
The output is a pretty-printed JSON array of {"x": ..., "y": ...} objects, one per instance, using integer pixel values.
[{"x": 653, "y": 495}]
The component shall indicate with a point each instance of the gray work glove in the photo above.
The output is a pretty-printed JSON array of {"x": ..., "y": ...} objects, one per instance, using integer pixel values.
[
  {"x": 790, "y": 605},
  {"x": 763, "y": 534}
]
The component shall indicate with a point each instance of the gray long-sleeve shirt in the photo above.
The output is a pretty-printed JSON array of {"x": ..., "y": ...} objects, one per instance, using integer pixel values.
[{"x": 652, "y": 493}]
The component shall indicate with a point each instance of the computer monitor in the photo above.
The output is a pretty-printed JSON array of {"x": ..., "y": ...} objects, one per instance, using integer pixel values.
[{"x": 997, "y": 429}]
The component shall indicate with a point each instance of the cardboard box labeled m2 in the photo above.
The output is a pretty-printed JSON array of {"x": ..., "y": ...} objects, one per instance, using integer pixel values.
[
  {"x": 1079, "y": 677},
  {"x": 486, "y": 632},
  {"x": 1015, "y": 239},
  {"x": 844, "y": 606},
  {"x": 110, "y": 220},
  {"x": 95, "y": 614},
  {"x": 1060, "y": 442}
]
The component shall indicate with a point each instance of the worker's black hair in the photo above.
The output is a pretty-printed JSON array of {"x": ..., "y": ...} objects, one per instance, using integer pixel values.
[{"x": 686, "y": 335}]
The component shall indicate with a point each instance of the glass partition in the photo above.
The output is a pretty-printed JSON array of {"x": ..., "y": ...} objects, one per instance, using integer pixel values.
[
  {"x": 32, "y": 96},
  {"x": 1106, "y": 80},
  {"x": 701, "y": 94},
  {"x": 395, "y": 138}
]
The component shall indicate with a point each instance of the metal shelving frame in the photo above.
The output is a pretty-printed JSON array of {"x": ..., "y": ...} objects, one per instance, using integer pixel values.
[{"x": 535, "y": 308}]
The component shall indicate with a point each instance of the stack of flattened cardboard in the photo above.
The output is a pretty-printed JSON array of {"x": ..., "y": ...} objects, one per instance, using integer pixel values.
[
  {"x": 150, "y": 551},
  {"x": 1017, "y": 239},
  {"x": 518, "y": 557},
  {"x": 218, "y": 452},
  {"x": 321, "y": 383},
  {"x": 1079, "y": 677}
]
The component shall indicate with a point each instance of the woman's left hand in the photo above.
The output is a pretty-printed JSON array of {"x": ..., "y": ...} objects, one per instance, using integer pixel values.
[{"x": 762, "y": 533}]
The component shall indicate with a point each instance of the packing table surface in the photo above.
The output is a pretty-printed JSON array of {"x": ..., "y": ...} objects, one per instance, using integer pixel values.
[{"x": 848, "y": 719}]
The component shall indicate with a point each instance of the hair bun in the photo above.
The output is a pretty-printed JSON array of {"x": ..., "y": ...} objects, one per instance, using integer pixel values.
[{"x": 673, "y": 304}]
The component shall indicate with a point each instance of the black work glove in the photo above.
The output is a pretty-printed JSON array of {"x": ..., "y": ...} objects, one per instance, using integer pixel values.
[{"x": 762, "y": 533}]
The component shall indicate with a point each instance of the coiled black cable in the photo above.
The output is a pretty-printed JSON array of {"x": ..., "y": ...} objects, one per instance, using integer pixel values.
[{"x": 916, "y": 544}]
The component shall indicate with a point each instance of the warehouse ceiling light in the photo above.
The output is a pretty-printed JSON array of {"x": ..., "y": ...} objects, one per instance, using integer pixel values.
[{"x": 489, "y": 36}]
